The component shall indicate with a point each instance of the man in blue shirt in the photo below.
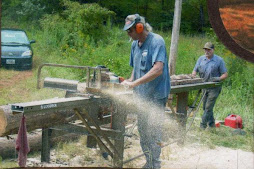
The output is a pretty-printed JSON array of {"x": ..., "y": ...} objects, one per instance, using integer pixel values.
[
  {"x": 151, "y": 83},
  {"x": 211, "y": 68}
]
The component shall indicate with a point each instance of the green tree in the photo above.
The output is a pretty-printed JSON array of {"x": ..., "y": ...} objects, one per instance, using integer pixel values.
[
  {"x": 78, "y": 26},
  {"x": 194, "y": 16},
  {"x": 29, "y": 10}
]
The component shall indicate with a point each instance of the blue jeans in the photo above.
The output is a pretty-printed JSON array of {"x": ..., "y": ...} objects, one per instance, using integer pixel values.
[
  {"x": 208, "y": 105},
  {"x": 150, "y": 122}
]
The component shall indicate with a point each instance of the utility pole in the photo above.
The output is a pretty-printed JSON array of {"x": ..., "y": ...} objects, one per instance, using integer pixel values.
[
  {"x": 175, "y": 36},
  {"x": 174, "y": 44}
]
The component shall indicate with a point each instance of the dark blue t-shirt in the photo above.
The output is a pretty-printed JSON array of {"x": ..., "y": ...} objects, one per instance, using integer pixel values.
[{"x": 142, "y": 60}]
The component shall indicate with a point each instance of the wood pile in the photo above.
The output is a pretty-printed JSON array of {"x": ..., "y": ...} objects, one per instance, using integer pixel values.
[{"x": 183, "y": 79}]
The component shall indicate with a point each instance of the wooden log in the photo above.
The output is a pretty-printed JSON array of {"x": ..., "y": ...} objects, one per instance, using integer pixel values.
[
  {"x": 7, "y": 146},
  {"x": 9, "y": 123}
]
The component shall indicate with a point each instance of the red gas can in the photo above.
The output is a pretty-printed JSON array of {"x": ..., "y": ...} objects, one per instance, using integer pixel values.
[{"x": 234, "y": 121}]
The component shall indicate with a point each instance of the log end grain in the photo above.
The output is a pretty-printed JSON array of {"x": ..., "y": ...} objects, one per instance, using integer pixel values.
[{"x": 3, "y": 120}]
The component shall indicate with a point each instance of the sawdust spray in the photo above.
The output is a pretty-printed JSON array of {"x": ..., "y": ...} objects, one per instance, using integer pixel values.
[{"x": 132, "y": 104}]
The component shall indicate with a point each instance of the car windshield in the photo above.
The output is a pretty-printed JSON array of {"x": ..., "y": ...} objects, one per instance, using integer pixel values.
[{"x": 13, "y": 37}]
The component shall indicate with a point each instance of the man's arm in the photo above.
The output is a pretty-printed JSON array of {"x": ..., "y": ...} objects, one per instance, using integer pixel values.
[
  {"x": 218, "y": 79},
  {"x": 223, "y": 76},
  {"x": 156, "y": 71},
  {"x": 223, "y": 69}
]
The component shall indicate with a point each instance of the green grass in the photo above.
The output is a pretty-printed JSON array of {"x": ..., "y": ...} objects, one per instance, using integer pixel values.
[
  {"x": 222, "y": 136},
  {"x": 8, "y": 163},
  {"x": 69, "y": 150},
  {"x": 25, "y": 91}
]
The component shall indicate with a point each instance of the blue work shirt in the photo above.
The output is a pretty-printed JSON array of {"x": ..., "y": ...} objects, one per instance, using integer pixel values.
[
  {"x": 142, "y": 59},
  {"x": 207, "y": 69}
]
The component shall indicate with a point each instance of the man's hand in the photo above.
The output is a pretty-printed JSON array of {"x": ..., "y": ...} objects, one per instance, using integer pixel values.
[
  {"x": 128, "y": 84},
  {"x": 193, "y": 74},
  {"x": 215, "y": 79}
]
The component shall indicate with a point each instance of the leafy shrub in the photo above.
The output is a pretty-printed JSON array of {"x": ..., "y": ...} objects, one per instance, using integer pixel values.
[{"x": 78, "y": 24}]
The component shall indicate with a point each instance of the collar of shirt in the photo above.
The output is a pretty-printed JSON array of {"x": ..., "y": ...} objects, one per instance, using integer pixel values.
[
  {"x": 212, "y": 58},
  {"x": 147, "y": 39}
]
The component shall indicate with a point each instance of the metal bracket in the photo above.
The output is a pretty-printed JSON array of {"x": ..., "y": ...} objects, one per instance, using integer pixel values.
[
  {"x": 87, "y": 68},
  {"x": 99, "y": 131}
]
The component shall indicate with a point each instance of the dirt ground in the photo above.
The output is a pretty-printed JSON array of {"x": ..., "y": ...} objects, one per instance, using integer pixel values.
[
  {"x": 197, "y": 156},
  {"x": 187, "y": 156},
  {"x": 8, "y": 82},
  {"x": 191, "y": 156}
]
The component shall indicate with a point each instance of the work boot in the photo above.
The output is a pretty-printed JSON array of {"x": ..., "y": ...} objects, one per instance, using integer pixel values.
[
  {"x": 212, "y": 125},
  {"x": 157, "y": 164},
  {"x": 202, "y": 126}
]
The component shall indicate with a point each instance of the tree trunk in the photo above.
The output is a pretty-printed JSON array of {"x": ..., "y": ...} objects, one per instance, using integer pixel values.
[
  {"x": 175, "y": 36},
  {"x": 7, "y": 146},
  {"x": 146, "y": 7},
  {"x": 9, "y": 123},
  {"x": 202, "y": 20},
  {"x": 137, "y": 6}
]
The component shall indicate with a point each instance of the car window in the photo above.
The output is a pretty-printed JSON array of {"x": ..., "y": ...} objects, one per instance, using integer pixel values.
[{"x": 14, "y": 37}]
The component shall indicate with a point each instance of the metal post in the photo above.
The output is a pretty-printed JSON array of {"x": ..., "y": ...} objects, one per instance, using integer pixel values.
[
  {"x": 91, "y": 142},
  {"x": 45, "y": 149},
  {"x": 99, "y": 78},
  {"x": 118, "y": 123},
  {"x": 181, "y": 109},
  {"x": 87, "y": 77}
]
